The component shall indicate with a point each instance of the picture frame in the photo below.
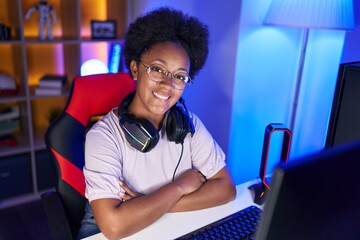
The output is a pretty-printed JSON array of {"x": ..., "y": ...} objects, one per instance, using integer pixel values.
[{"x": 103, "y": 29}]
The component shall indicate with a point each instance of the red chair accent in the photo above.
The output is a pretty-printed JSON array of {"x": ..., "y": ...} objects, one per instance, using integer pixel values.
[{"x": 90, "y": 96}]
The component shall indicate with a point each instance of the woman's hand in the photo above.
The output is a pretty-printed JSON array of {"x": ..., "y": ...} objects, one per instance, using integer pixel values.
[
  {"x": 190, "y": 181},
  {"x": 129, "y": 193}
]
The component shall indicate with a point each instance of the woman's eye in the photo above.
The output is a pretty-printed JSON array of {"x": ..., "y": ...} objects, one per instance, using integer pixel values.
[
  {"x": 157, "y": 69},
  {"x": 180, "y": 77}
]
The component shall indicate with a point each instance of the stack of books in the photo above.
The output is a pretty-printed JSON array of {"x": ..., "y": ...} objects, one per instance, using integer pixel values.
[
  {"x": 9, "y": 123},
  {"x": 51, "y": 85}
]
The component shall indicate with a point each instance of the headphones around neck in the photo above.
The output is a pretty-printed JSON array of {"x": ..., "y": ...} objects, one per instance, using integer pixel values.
[{"x": 143, "y": 136}]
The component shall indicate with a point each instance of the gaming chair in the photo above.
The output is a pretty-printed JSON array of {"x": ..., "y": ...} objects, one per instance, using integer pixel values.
[{"x": 90, "y": 96}]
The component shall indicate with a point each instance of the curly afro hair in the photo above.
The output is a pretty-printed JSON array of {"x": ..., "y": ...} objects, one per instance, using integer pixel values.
[{"x": 163, "y": 25}]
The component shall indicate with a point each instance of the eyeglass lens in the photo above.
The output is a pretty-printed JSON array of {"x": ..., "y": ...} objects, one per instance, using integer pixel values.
[{"x": 159, "y": 73}]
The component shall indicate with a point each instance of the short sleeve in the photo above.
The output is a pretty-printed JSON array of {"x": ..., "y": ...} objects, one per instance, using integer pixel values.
[
  {"x": 207, "y": 156},
  {"x": 103, "y": 166}
]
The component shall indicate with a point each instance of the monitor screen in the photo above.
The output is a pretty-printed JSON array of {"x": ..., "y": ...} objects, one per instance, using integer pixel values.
[
  {"x": 345, "y": 114},
  {"x": 315, "y": 197}
]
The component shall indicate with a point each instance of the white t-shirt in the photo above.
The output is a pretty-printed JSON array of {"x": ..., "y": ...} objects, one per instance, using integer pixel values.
[{"x": 109, "y": 158}]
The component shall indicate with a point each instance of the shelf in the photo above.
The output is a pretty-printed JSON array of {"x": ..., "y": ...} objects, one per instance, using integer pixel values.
[
  {"x": 15, "y": 98},
  {"x": 26, "y": 58},
  {"x": 10, "y": 151},
  {"x": 11, "y": 42},
  {"x": 54, "y": 41}
]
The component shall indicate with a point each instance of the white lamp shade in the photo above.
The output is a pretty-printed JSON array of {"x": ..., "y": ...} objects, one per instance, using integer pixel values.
[
  {"x": 324, "y": 14},
  {"x": 93, "y": 66}
]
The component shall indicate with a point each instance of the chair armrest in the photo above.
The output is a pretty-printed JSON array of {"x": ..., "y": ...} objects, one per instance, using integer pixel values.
[{"x": 56, "y": 217}]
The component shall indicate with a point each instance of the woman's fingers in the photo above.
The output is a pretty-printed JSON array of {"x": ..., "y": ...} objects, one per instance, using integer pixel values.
[{"x": 129, "y": 193}]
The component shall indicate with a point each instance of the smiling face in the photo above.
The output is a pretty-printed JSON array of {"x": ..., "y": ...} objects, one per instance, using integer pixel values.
[{"x": 152, "y": 99}]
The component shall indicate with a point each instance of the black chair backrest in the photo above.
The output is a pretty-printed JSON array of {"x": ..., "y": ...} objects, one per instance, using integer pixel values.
[{"x": 90, "y": 96}]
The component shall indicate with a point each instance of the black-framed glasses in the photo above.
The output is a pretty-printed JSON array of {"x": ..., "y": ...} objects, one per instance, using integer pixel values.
[{"x": 158, "y": 73}]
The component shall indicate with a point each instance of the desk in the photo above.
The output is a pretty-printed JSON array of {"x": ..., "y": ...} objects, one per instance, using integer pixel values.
[{"x": 173, "y": 225}]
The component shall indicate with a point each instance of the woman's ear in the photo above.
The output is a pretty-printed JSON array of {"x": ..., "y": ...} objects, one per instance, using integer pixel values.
[{"x": 134, "y": 69}]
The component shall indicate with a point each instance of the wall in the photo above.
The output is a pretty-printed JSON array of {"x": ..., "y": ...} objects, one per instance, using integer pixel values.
[
  {"x": 266, "y": 69},
  {"x": 351, "y": 51},
  {"x": 249, "y": 79}
]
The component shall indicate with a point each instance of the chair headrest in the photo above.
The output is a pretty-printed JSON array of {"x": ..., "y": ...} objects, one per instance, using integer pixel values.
[{"x": 97, "y": 94}]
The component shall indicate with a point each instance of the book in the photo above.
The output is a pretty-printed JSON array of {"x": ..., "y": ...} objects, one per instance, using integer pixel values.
[
  {"x": 52, "y": 81},
  {"x": 8, "y": 140},
  {"x": 8, "y": 113},
  {"x": 50, "y": 91},
  {"x": 9, "y": 126}
]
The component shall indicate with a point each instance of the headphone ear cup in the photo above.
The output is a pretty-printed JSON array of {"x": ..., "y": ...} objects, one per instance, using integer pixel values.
[
  {"x": 139, "y": 132},
  {"x": 177, "y": 125}
]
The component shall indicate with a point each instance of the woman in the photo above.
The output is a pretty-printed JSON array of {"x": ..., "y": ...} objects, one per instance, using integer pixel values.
[{"x": 150, "y": 156}]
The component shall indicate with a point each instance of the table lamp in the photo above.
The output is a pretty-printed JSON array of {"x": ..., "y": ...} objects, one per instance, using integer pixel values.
[{"x": 309, "y": 14}]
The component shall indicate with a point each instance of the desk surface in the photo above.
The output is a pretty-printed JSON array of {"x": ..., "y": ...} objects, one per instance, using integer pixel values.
[{"x": 173, "y": 225}]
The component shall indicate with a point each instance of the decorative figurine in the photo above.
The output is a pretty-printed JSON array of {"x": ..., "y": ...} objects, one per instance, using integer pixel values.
[
  {"x": 4, "y": 32},
  {"x": 44, "y": 18}
]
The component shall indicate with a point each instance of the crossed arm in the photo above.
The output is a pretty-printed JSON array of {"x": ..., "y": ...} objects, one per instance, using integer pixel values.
[{"x": 190, "y": 191}]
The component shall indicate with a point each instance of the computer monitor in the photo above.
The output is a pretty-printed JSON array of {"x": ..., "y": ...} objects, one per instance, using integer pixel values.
[
  {"x": 315, "y": 198},
  {"x": 345, "y": 113}
]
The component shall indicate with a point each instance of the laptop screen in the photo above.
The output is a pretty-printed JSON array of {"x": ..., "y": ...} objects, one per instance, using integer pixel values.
[{"x": 315, "y": 198}]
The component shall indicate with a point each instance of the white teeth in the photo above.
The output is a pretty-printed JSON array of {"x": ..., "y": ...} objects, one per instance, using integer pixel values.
[{"x": 160, "y": 96}]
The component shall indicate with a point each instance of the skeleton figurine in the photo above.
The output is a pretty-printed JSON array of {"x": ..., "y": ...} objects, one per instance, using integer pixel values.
[{"x": 44, "y": 18}]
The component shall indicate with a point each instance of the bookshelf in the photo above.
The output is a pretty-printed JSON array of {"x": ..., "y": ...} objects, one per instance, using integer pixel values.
[{"x": 25, "y": 169}]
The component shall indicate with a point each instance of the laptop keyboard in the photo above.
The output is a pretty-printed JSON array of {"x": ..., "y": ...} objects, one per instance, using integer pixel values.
[{"x": 239, "y": 225}]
